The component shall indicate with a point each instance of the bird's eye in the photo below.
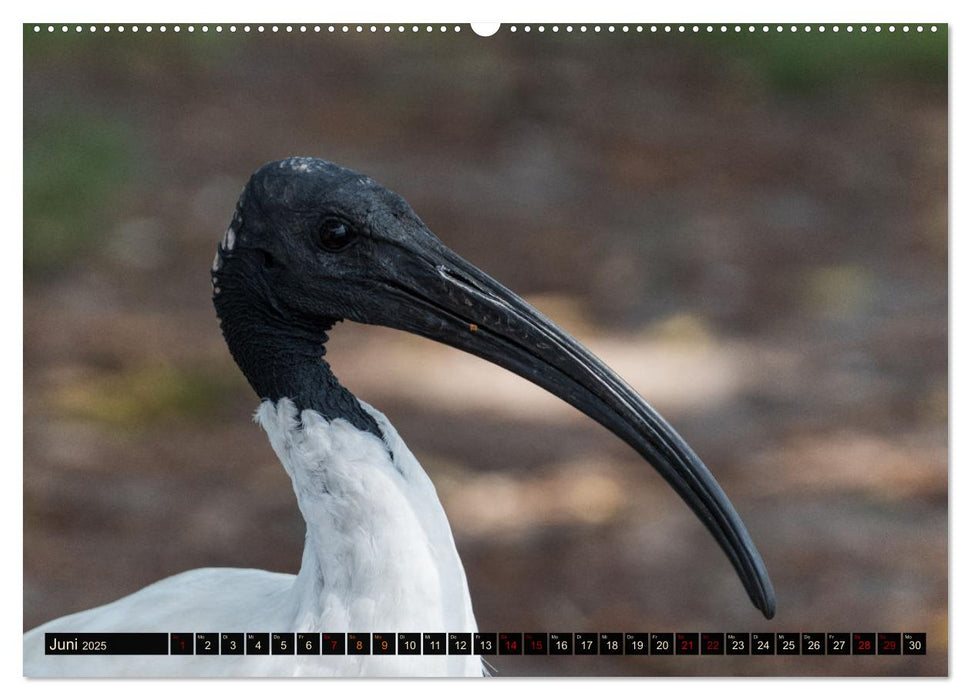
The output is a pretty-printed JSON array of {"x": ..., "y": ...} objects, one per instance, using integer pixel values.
[{"x": 336, "y": 234}]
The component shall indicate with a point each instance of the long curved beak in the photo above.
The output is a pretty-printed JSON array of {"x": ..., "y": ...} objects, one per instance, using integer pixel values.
[{"x": 441, "y": 296}]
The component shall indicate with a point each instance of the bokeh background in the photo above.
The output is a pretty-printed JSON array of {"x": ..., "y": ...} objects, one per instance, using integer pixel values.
[{"x": 752, "y": 229}]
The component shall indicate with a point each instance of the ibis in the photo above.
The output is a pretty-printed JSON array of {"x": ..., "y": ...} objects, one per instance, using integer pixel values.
[{"x": 312, "y": 244}]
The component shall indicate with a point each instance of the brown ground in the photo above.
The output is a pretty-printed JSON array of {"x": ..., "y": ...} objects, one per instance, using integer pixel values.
[{"x": 762, "y": 253}]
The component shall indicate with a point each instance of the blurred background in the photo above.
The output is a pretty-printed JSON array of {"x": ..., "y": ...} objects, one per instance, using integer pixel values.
[{"x": 751, "y": 229}]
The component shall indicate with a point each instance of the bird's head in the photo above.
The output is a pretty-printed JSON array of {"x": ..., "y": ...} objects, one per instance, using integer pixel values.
[{"x": 312, "y": 243}]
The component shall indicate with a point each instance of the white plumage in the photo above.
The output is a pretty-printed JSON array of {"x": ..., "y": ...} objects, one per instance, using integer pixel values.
[{"x": 379, "y": 557}]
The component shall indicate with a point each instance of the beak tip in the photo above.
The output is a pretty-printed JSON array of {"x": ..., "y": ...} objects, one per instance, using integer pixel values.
[{"x": 766, "y": 600}]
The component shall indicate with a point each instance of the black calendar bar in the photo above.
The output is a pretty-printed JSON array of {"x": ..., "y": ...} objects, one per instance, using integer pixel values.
[
  {"x": 684, "y": 644},
  {"x": 116, "y": 643}
]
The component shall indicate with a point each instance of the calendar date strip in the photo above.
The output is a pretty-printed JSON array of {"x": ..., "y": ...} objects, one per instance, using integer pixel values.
[{"x": 489, "y": 643}]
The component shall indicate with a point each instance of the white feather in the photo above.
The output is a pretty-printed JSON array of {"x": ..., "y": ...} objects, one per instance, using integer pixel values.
[{"x": 379, "y": 557}]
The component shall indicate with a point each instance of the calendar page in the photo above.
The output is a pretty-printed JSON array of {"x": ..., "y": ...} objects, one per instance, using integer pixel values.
[{"x": 590, "y": 349}]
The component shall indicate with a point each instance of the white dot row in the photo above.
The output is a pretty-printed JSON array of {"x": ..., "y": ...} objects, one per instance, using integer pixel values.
[
  {"x": 345, "y": 28},
  {"x": 244, "y": 28},
  {"x": 751, "y": 28}
]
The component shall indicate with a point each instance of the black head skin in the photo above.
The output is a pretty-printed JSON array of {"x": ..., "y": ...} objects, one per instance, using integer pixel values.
[
  {"x": 312, "y": 243},
  {"x": 286, "y": 272}
]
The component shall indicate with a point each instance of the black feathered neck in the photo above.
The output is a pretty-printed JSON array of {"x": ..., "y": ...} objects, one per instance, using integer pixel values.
[{"x": 281, "y": 355}]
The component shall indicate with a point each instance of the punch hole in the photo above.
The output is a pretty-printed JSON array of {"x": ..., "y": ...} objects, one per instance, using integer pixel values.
[{"x": 485, "y": 28}]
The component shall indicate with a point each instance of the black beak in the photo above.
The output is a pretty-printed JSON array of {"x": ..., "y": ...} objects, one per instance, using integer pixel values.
[{"x": 441, "y": 296}]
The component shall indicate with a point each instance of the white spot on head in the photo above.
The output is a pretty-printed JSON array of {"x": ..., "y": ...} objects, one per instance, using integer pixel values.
[
  {"x": 229, "y": 240},
  {"x": 217, "y": 262},
  {"x": 300, "y": 164}
]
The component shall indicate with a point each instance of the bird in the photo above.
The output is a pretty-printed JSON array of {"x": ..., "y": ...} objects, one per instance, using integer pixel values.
[{"x": 312, "y": 244}]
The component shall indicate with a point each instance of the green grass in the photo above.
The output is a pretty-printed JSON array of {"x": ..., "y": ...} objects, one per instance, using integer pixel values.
[
  {"x": 805, "y": 61},
  {"x": 75, "y": 168},
  {"x": 133, "y": 399}
]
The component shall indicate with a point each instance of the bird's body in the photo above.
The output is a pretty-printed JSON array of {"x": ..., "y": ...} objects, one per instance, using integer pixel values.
[
  {"x": 378, "y": 557},
  {"x": 312, "y": 244}
]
